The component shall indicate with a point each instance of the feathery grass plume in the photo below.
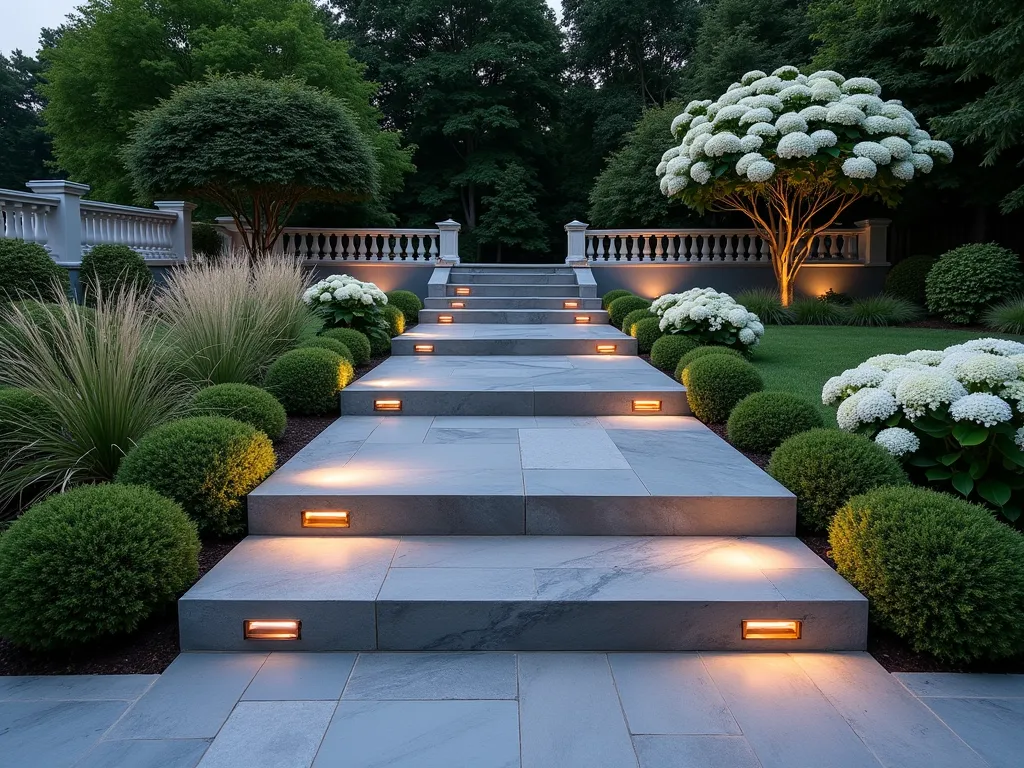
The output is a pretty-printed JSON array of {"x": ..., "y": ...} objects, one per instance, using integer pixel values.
[
  {"x": 229, "y": 320},
  {"x": 809, "y": 311},
  {"x": 1006, "y": 316},
  {"x": 766, "y": 304},
  {"x": 882, "y": 310},
  {"x": 101, "y": 375}
]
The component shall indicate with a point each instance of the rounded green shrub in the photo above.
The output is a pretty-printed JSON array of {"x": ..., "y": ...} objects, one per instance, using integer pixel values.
[
  {"x": 91, "y": 564},
  {"x": 380, "y": 345},
  {"x": 696, "y": 354},
  {"x": 967, "y": 280},
  {"x": 396, "y": 321},
  {"x": 109, "y": 268},
  {"x": 408, "y": 302},
  {"x": 938, "y": 571},
  {"x": 762, "y": 421},
  {"x": 245, "y": 403},
  {"x": 646, "y": 332},
  {"x": 622, "y": 306},
  {"x": 825, "y": 467},
  {"x": 357, "y": 342},
  {"x": 717, "y": 383},
  {"x": 28, "y": 272},
  {"x": 634, "y": 317},
  {"x": 307, "y": 381},
  {"x": 208, "y": 464},
  {"x": 608, "y": 298},
  {"x": 907, "y": 278},
  {"x": 206, "y": 240},
  {"x": 667, "y": 350},
  {"x": 324, "y": 342},
  {"x": 19, "y": 407}
]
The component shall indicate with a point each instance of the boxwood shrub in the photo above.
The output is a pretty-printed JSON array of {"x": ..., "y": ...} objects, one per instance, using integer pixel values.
[
  {"x": 825, "y": 467},
  {"x": 208, "y": 464},
  {"x": 108, "y": 268},
  {"x": 324, "y": 342},
  {"x": 622, "y": 306},
  {"x": 608, "y": 298},
  {"x": 938, "y": 571},
  {"x": 380, "y": 345},
  {"x": 91, "y": 564},
  {"x": 717, "y": 383},
  {"x": 668, "y": 349},
  {"x": 697, "y": 353},
  {"x": 28, "y": 272},
  {"x": 307, "y": 381},
  {"x": 969, "y": 279},
  {"x": 906, "y": 279},
  {"x": 356, "y": 341},
  {"x": 762, "y": 421},
  {"x": 245, "y": 403},
  {"x": 629, "y": 321},
  {"x": 396, "y": 320},
  {"x": 646, "y": 332},
  {"x": 408, "y": 302}
]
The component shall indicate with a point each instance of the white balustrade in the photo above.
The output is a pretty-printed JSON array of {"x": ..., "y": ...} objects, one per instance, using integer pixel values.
[
  {"x": 361, "y": 244},
  {"x": 27, "y": 217},
  {"x": 147, "y": 231}
]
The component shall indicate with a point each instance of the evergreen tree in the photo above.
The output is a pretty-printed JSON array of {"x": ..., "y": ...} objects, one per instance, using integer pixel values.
[{"x": 24, "y": 149}]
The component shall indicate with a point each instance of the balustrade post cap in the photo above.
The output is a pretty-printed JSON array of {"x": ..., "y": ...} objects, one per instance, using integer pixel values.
[
  {"x": 450, "y": 224},
  {"x": 57, "y": 186},
  {"x": 174, "y": 205},
  {"x": 873, "y": 222},
  {"x": 575, "y": 224}
]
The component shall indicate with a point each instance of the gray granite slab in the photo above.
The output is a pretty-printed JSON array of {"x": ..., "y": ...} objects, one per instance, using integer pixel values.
[
  {"x": 192, "y": 698},
  {"x": 75, "y": 687},
  {"x": 301, "y": 677},
  {"x": 994, "y": 728},
  {"x": 695, "y": 752},
  {"x": 570, "y": 715},
  {"x": 270, "y": 734},
  {"x": 55, "y": 734},
  {"x": 145, "y": 753},
  {"x": 561, "y": 449},
  {"x": 433, "y": 676},
  {"x": 582, "y": 482},
  {"x": 811, "y": 584},
  {"x": 963, "y": 686},
  {"x": 422, "y": 734},
  {"x": 470, "y": 435},
  {"x": 400, "y": 429},
  {"x": 669, "y": 693}
]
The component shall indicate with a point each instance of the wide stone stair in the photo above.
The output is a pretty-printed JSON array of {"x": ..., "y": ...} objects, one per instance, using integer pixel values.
[{"x": 507, "y": 485}]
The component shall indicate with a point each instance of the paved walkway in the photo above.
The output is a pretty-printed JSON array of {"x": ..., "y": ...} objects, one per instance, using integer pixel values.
[{"x": 499, "y": 710}]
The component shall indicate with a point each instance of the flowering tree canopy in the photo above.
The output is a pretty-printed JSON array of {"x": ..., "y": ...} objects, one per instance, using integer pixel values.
[{"x": 792, "y": 152}]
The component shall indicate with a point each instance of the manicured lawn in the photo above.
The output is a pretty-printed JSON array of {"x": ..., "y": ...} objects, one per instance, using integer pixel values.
[{"x": 800, "y": 358}]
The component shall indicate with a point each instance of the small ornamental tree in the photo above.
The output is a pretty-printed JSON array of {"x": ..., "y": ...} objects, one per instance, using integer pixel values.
[
  {"x": 256, "y": 147},
  {"x": 792, "y": 152}
]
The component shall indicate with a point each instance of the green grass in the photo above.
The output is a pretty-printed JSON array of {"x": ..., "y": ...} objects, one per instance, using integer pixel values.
[{"x": 801, "y": 358}]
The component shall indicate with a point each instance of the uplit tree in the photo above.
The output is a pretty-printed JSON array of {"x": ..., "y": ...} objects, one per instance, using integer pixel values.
[{"x": 792, "y": 152}]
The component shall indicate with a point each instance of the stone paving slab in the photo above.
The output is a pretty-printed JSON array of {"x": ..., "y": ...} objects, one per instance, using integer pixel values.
[{"x": 502, "y": 339}]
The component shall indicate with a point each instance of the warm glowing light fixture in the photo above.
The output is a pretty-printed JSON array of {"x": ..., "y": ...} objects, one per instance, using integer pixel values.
[
  {"x": 387, "y": 405},
  {"x": 445, "y": 319},
  {"x": 647, "y": 405},
  {"x": 457, "y": 304},
  {"x": 272, "y": 629},
  {"x": 423, "y": 348},
  {"x": 606, "y": 349},
  {"x": 570, "y": 305},
  {"x": 771, "y": 629},
  {"x": 325, "y": 518},
  {"x": 580, "y": 319},
  {"x": 462, "y": 291}
]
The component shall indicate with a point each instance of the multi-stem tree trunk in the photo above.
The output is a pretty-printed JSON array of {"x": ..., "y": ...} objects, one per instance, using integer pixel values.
[{"x": 789, "y": 217}]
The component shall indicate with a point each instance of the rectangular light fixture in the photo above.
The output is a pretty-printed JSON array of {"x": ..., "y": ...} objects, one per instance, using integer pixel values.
[
  {"x": 272, "y": 629},
  {"x": 771, "y": 629},
  {"x": 387, "y": 405},
  {"x": 423, "y": 348},
  {"x": 462, "y": 291},
  {"x": 581, "y": 319},
  {"x": 325, "y": 518},
  {"x": 570, "y": 305},
  {"x": 457, "y": 304},
  {"x": 445, "y": 319},
  {"x": 606, "y": 349},
  {"x": 650, "y": 406}
]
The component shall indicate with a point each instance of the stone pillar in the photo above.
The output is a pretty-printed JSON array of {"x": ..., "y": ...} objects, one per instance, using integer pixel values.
[
  {"x": 448, "y": 245},
  {"x": 64, "y": 235},
  {"x": 181, "y": 233},
  {"x": 871, "y": 242},
  {"x": 576, "y": 234},
  {"x": 229, "y": 234}
]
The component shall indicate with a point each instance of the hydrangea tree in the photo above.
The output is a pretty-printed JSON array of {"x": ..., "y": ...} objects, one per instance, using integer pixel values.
[{"x": 792, "y": 152}]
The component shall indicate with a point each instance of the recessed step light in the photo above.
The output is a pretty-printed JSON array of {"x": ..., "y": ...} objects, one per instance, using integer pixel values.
[
  {"x": 570, "y": 305},
  {"x": 272, "y": 629},
  {"x": 649, "y": 406},
  {"x": 462, "y": 291},
  {"x": 325, "y": 518},
  {"x": 606, "y": 349},
  {"x": 423, "y": 348},
  {"x": 445, "y": 319},
  {"x": 771, "y": 629},
  {"x": 387, "y": 405},
  {"x": 457, "y": 304}
]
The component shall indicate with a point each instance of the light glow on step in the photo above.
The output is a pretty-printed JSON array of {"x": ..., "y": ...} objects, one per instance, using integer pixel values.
[
  {"x": 771, "y": 629},
  {"x": 423, "y": 348},
  {"x": 462, "y": 291},
  {"x": 325, "y": 518},
  {"x": 606, "y": 349},
  {"x": 457, "y": 304},
  {"x": 580, "y": 319},
  {"x": 272, "y": 629},
  {"x": 647, "y": 406},
  {"x": 570, "y": 305},
  {"x": 387, "y": 405},
  {"x": 445, "y": 319}
]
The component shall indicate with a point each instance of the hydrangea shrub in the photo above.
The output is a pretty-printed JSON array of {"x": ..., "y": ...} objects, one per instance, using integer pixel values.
[
  {"x": 708, "y": 317},
  {"x": 796, "y": 148},
  {"x": 345, "y": 302},
  {"x": 954, "y": 417}
]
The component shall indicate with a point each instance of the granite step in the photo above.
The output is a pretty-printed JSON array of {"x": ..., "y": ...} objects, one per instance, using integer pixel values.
[
  {"x": 512, "y": 316},
  {"x": 497, "y": 339},
  {"x": 512, "y": 302},
  {"x": 513, "y": 278},
  {"x": 462, "y": 593},
  {"x": 512, "y": 290}
]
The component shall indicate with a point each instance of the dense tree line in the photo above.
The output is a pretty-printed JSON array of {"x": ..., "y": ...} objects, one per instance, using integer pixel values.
[{"x": 493, "y": 113}]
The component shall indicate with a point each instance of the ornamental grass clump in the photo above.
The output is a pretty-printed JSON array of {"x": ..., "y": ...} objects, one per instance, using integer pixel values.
[
  {"x": 345, "y": 302},
  {"x": 762, "y": 421},
  {"x": 881, "y": 311},
  {"x": 954, "y": 417},
  {"x": 1006, "y": 317},
  {"x": 307, "y": 381},
  {"x": 623, "y": 306},
  {"x": 709, "y": 317},
  {"x": 967, "y": 280},
  {"x": 816, "y": 312},
  {"x": 245, "y": 403},
  {"x": 92, "y": 564},
  {"x": 667, "y": 351},
  {"x": 766, "y": 304},
  {"x": 717, "y": 383},
  {"x": 936, "y": 570}
]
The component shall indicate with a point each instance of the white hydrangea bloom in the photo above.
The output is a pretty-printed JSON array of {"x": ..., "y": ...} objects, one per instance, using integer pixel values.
[
  {"x": 796, "y": 145},
  {"x": 893, "y": 378},
  {"x": 674, "y": 184},
  {"x": 981, "y": 408},
  {"x": 699, "y": 120},
  {"x": 918, "y": 135},
  {"x": 344, "y": 288},
  {"x": 712, "y": 309},
  {"x": 844, "y": 114},
  {"x": 898, "y": 441},
  {"x": 859, "y": 168},
  {"x": 734, "y": 86},
  {"x": 894, "y": 110},
  {"x": 696, "y": 150},
  {"x": 751, "y": 143},
  {"x": 730, "y": 97},
  {"x": 927, "y": 390},
  {"x": 826, "y": 74},
  {"x": 679, "y": 122},
  {"x": 902, "y": 170},
  {"x": 762, "y": 129},
  {"x": 677, "y": 165},
  {"x": 1018, "y": 438},
  {"x": 747, "y": 336},
  {"x": 722, "y": 144},
  {"x": 825, "y": 91},
  {"x": 984, "y": 369},
  {"x": 670, "y": 153},
  {"x": 791, "y": 122},
  {"x": 813, "y": 112},
  {"x": 899, "y": 148},
  {"x": 849, "y": 381},
  {"x": 770, "y": 84},
  {"x": 1014, "y": 391},
  {"x": 664, "y": 186},
  {"x": 876, "y": 124},
  {"x": 662, "y": 167},
  {"x": 700, "y": 172},
  {"x": 752, "y": 76},
  {"x": 760, "y": 170},
  {"x": 1004, "y": 347},
  {"x": 922, "y": 163},
  {"x": 795, "y": 93},
  {"x": 697, "y": 106},
  {"x": 925, "y": 356},
  {"x": 873, "y": 151},
  {"x": 887, "y": 361},
  {"x": 902, "y": 126},
  {"x": 699, "y": 129},
  {"x": 734, "y": 112},
  {"x": 786, "y": 72},
  {"x": 866, "y": 103},
  {"x": 865, "y": 406},
  {"x": 712, "y": 111},
  {"x": 765, "y": 101},
  {"x": 744, "y": 162},
  {"x": 861, "y": 85},
  {"x": 824, "y": 138},
  {"x": 934, "y": 148},
  {"x": 757, "y": 115}
]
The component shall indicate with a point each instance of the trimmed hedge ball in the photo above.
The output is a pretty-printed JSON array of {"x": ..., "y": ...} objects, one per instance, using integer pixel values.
[
  {"x": 696, "y": 354},
  {"x": 408, "y": 302},
  {"x": 396, "y": 320},
  {"x": 634, "y": 317},
  {"x": 380, "y": 345},
  {"x": 245, "y": 403},
  {"x": 938, "y": 571},
  {"x": 357, "y": 342},
  {"x": 646, "y": 332},
  {"x": 208, "y": 464},
  {"x": 906, "y": 279},
  {"x": 825, "y": 467},
  {"x": 969, "y": 279},
  {"x": 667, "y": 350},
  {"x": 19, "y": 407},
  {"x": 608, "y": 298},
  {"x": 307, "y": 381},
  {"x": 762, "y": 421},
  {"x": 28, "y": 272},
  {"x": 109, "y": 268},
  {"x": 717, "y": 383},
  {"x": 323, "y": 342},
  {"x": 93, "y": 563},
  {"x": 622, "y": 306}
]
